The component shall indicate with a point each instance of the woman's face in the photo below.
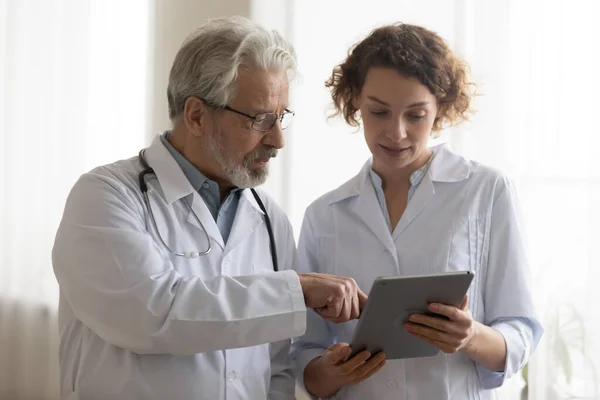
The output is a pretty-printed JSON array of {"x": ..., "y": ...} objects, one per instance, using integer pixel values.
[{"x": 398, "y": 114}]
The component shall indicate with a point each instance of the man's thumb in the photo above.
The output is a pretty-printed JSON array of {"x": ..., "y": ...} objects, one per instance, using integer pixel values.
[{"x": 362, "y": 299}]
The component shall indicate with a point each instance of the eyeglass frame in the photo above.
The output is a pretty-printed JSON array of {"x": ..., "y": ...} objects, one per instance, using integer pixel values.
[{"x": 255, "y": 117}]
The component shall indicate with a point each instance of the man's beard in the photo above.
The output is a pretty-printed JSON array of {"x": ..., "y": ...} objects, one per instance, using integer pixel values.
[{"x": 241, "y": 175}]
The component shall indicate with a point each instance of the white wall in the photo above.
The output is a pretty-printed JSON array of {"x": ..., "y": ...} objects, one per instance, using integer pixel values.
[{"x": 171, "y": 22}]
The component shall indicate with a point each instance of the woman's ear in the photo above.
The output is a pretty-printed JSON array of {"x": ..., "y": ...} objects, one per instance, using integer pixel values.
[
  {"x": 440, "y": 112},
  {"x": 356, "y": 101}
]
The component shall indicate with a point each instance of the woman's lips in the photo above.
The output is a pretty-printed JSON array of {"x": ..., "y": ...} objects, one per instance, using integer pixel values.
[{"x": 394, "y": 151}]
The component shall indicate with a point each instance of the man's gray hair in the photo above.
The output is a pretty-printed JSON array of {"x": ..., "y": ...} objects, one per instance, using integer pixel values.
[{"x": 208, "y": 62}]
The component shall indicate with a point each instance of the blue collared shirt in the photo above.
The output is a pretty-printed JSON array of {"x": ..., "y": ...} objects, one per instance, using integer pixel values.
[
  {"x": 222, "y": 212},
  {"x": 415, "y": 179}
]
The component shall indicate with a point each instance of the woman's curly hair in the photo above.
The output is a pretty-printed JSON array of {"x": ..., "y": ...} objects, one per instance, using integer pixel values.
[{"x": 413, "y": 51}]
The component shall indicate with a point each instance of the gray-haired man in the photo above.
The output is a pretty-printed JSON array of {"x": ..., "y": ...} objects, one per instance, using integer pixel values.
[{"x": 176, "y": 280}]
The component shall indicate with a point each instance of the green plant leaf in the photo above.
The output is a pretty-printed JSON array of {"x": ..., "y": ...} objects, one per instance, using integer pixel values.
[{"x": 562, "y": 354}]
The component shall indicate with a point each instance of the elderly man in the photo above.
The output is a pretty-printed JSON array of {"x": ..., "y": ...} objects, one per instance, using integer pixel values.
[{"x": 175, "y": 276}]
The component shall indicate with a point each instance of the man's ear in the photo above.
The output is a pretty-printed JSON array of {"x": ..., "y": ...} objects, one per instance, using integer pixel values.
[{"x": 195, "y": 115}]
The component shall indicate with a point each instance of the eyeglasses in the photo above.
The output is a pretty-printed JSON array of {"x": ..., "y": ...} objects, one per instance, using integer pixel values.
[{"x": 263, "y": 122}]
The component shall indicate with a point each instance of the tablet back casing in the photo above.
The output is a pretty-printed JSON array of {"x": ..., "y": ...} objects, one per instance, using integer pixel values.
[{"x": 392, "y": 300}]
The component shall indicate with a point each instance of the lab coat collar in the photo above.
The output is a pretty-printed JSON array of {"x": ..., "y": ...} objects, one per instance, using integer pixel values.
[
  {"x": 249, "y": 197},
  {"x": 446, "y": 166},
  {"x": 173, "y": 181},
  {"x": 176, "y": 186},
  {"x": 248, "y": 218}
]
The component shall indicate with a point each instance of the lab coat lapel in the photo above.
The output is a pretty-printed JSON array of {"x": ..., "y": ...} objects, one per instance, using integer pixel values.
[
  {"x": 248, "y": 218},
  {"x": 417, "y": 203},
  {"x": 176, "y": 187},
  {"x": 445, "y": 167},
  {"x": 366, "y": 207},
  {"x": 200, "y": 209}
]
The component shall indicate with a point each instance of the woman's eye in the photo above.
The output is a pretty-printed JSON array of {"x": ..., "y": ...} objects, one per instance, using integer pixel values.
[
  {"x": 379, "y": 113},
  {"x": 417, "y": 117}
]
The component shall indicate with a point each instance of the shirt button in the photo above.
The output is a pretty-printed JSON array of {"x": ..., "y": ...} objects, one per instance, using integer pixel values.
[
  {"x": 205, "y": 185},
  {"x": 231, "y": 376},
  {"x": 392, "y": 385}
]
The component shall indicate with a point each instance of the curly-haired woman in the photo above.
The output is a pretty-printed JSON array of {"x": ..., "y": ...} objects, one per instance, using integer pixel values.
[{"x": 413, "y": 210}]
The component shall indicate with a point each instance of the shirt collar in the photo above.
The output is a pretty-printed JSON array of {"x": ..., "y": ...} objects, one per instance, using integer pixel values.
[
  {"x": 193, "y": 174},
  {"x": 415, "y": 178},
  {"x": 445, "y": 166}
]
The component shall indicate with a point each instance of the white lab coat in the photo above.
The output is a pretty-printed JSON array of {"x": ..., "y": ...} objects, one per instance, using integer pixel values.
[
  {"x": 462, "y": 216},
  {"x": 137, "y": 322}
]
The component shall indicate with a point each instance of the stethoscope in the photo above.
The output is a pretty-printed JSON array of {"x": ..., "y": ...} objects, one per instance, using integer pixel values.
[{"x": 193, "y": 254}]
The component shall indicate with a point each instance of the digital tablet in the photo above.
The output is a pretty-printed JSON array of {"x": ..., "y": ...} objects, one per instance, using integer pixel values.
[{"x": 392, "y": 300}]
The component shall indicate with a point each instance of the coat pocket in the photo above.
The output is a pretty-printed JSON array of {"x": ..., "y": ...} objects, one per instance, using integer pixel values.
[
  {"x": 466, "y": 252},
  {"x": 362, "y": 258}
]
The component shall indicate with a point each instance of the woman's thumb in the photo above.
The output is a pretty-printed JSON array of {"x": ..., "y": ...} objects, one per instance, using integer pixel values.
[{"x": 337, "y": 352}]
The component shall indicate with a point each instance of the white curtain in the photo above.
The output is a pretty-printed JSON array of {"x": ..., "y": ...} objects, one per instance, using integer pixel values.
[
  {"x": 536, "y": 63},
  {"x": 73, "y": 83},
  {"x": 552, "y": 102},
  {"x": 73, "y": 95}
]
